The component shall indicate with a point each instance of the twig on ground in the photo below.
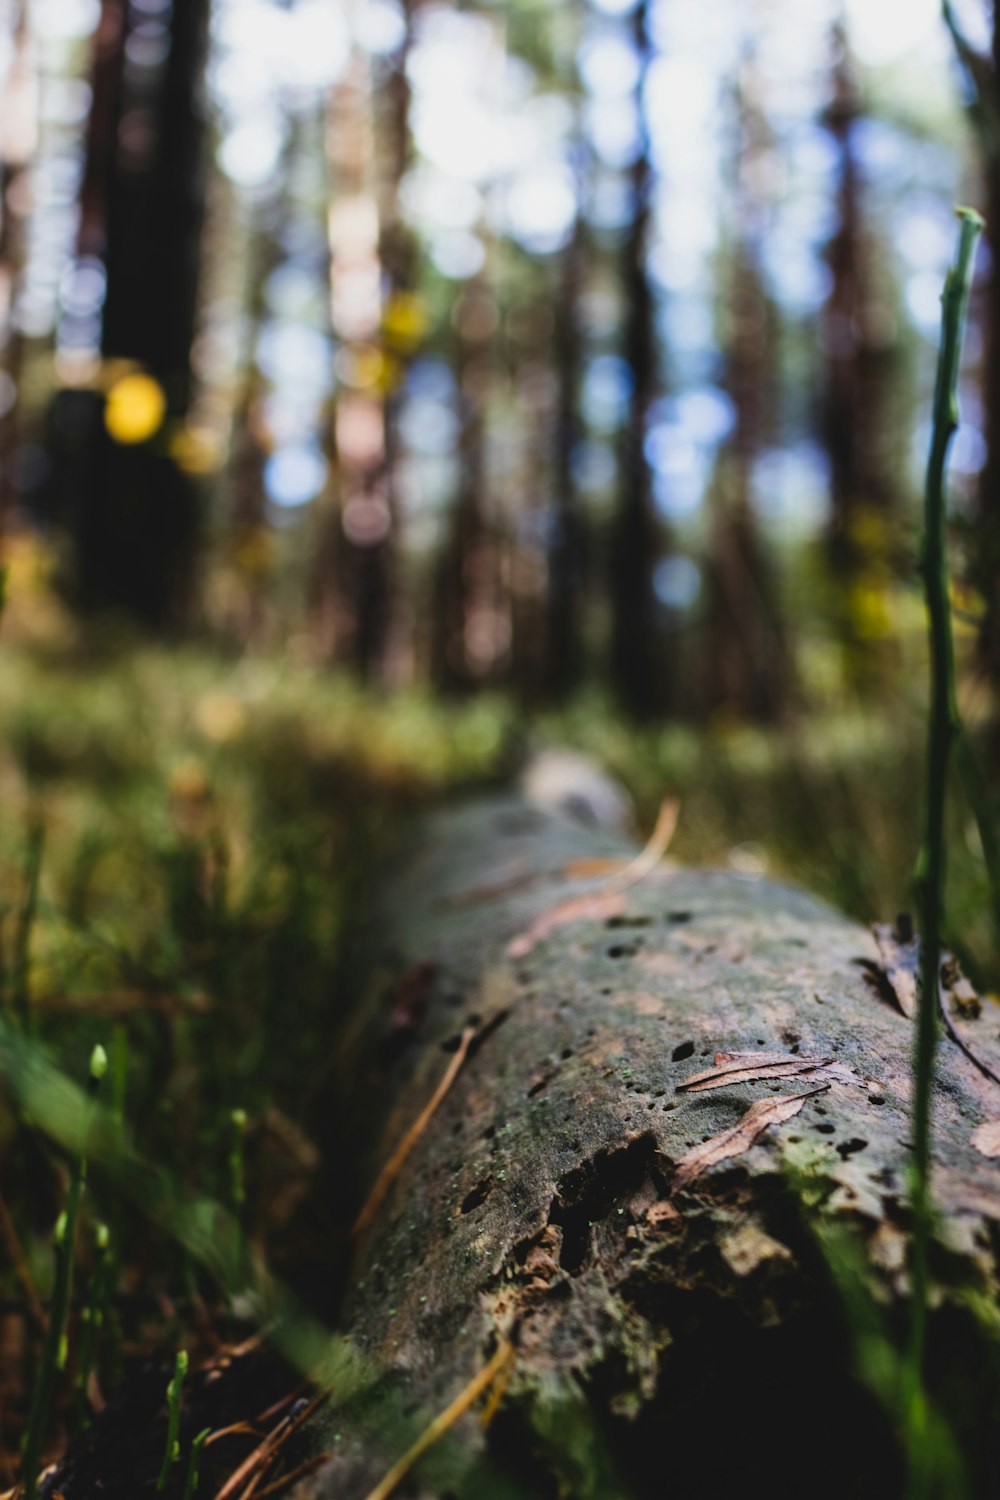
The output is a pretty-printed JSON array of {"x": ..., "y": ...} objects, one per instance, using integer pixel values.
[
  {"x": 494, "y": 1370},
  {"x": 394, "y": 1165}
]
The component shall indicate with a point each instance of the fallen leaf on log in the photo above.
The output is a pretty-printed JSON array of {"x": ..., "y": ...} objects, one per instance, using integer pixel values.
[
  {"x": 751, "y": 1067},
  {"x": 899, "y": 951},
  {"x": 496, "y": 889},
  {"x": 588, "y": 869},
  {"x": 596, "y": 907},
  {"x": 609, "y": 902},
  {"x": 986, "y": 1138},
  {"x": 656, "y": 848},
  {"x": 748, "y": 1067},
  {"x": 626, "y": 872},
  {"x": 739, "y": 1137}
]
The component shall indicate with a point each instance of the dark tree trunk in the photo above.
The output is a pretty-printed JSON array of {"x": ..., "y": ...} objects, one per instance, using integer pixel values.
[
  {"x": 987, "y": 566},
  {"x": 132, "y": 512},
  {"x": 857, "y": 423},
  {"x": 564, "y": 648},
  {"x": 466, "y": 582},
  {"x": 15, "y": 166},
  {"x": 747, "y": 668},
  {"x": 391, "y": 645},
  {"x": 248, "y": 544},
  {"x": 637, "y": 668}
]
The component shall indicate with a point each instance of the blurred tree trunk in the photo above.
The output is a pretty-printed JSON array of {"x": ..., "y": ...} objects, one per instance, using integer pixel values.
[
  {"x": 988, "y": 569},
  {"x": 857, "y": 342},
  {"x": 132, "y": 512},
  {"x": 248, "y": 546},
  {"x": 466, "y": 578},
  {"x": 402, "y": 331},
  {"x": 982, "y": 73},
  {"x": 637, "y": 667},
  {"x": 564, "y": 645},
  {"x": 369, "y": 239},
  {"x": 747, "y": 668},
  {"x": 17, "y": 142}
]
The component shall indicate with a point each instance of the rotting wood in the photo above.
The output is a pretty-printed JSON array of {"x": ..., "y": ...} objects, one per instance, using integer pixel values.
[
  {"x": 673, "y": 1329},
  {"x": 672, "y": 1337}
]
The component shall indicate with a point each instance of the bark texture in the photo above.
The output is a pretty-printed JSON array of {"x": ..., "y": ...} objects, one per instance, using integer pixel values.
[{"x": 670, "y": 1338}]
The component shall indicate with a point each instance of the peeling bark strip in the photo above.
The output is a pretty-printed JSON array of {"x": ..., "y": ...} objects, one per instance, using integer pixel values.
[
  {"x": 601, "y": 1187},
  {"x": 899, "y": 955}
]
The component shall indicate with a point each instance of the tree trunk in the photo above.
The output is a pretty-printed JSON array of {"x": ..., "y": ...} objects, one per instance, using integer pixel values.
[
  {"x": 564, "y": 645},
  {"x": 637, "y": 665},
  {"x": 656, "y": 1308},
  {"x": 747, "y": 666},
  {"x": 132, "y": 511}
]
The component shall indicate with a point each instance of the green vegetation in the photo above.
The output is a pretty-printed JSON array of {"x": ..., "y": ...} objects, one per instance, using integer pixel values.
[
  {"x": 944, "y": 725},
  {"x": 175, "y": 1391},
  {"x": 210, "y": 829},
  {"x": 55, "y": 1354}
]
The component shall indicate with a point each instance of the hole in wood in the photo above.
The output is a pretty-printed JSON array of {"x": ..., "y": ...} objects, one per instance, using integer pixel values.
[{"x": 477, "y": 1195}]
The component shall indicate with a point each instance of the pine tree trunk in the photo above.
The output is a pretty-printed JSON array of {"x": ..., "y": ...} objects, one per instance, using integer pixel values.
[
  {"x": 132, "y": 511},
  {"x": 637, "y": 666}
]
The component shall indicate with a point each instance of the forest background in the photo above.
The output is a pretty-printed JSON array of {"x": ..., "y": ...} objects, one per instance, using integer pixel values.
[{"x": 388, "y": 388}]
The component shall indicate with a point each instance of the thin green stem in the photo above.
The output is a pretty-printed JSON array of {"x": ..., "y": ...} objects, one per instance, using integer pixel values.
[
  {"x": 194, "y": 1464},
  {"x": 55, "y": 1350},
  {"x": 237, "y": 1193},
  {"x": 172, "y": 1449},
  {"x": 943, "y": 726},
  {"x": 21, "y": 978},
  {"x": 92, "y": 1322}
]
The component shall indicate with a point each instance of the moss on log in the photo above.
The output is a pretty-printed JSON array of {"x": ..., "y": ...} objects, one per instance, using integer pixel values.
[{"x": 696, "y": 1298}]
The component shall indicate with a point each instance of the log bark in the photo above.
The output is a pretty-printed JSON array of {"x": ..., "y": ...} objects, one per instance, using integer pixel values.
[{"x": 686, "y": 1316}]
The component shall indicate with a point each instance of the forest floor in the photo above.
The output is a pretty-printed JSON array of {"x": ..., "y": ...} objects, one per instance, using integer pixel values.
[{"x": 186, "y": 841}]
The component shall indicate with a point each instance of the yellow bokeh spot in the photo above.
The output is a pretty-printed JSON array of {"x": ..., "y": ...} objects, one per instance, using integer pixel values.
[
  {"x": 868, "y": 528},
  {"x": 404, "y": 322},
  {"x": 255, "y": 552},
  {"x": 220, "y": 717},
  {"x": 196, "y": 450},
  {"x": 365, "y": 368},
  {"x": 189, "y": 782},
  {"x": 135, "y": 409},
  {"x": 870, "y": 607}
]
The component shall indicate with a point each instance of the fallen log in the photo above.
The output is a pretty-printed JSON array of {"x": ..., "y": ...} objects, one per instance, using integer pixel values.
[
  {"x": 630, "y": 1148},
  {"x": 640, "y": 1154}
]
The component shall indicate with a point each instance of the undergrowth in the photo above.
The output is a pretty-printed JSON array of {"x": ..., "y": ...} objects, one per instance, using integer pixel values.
[{"x": 184, "y": 856}]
